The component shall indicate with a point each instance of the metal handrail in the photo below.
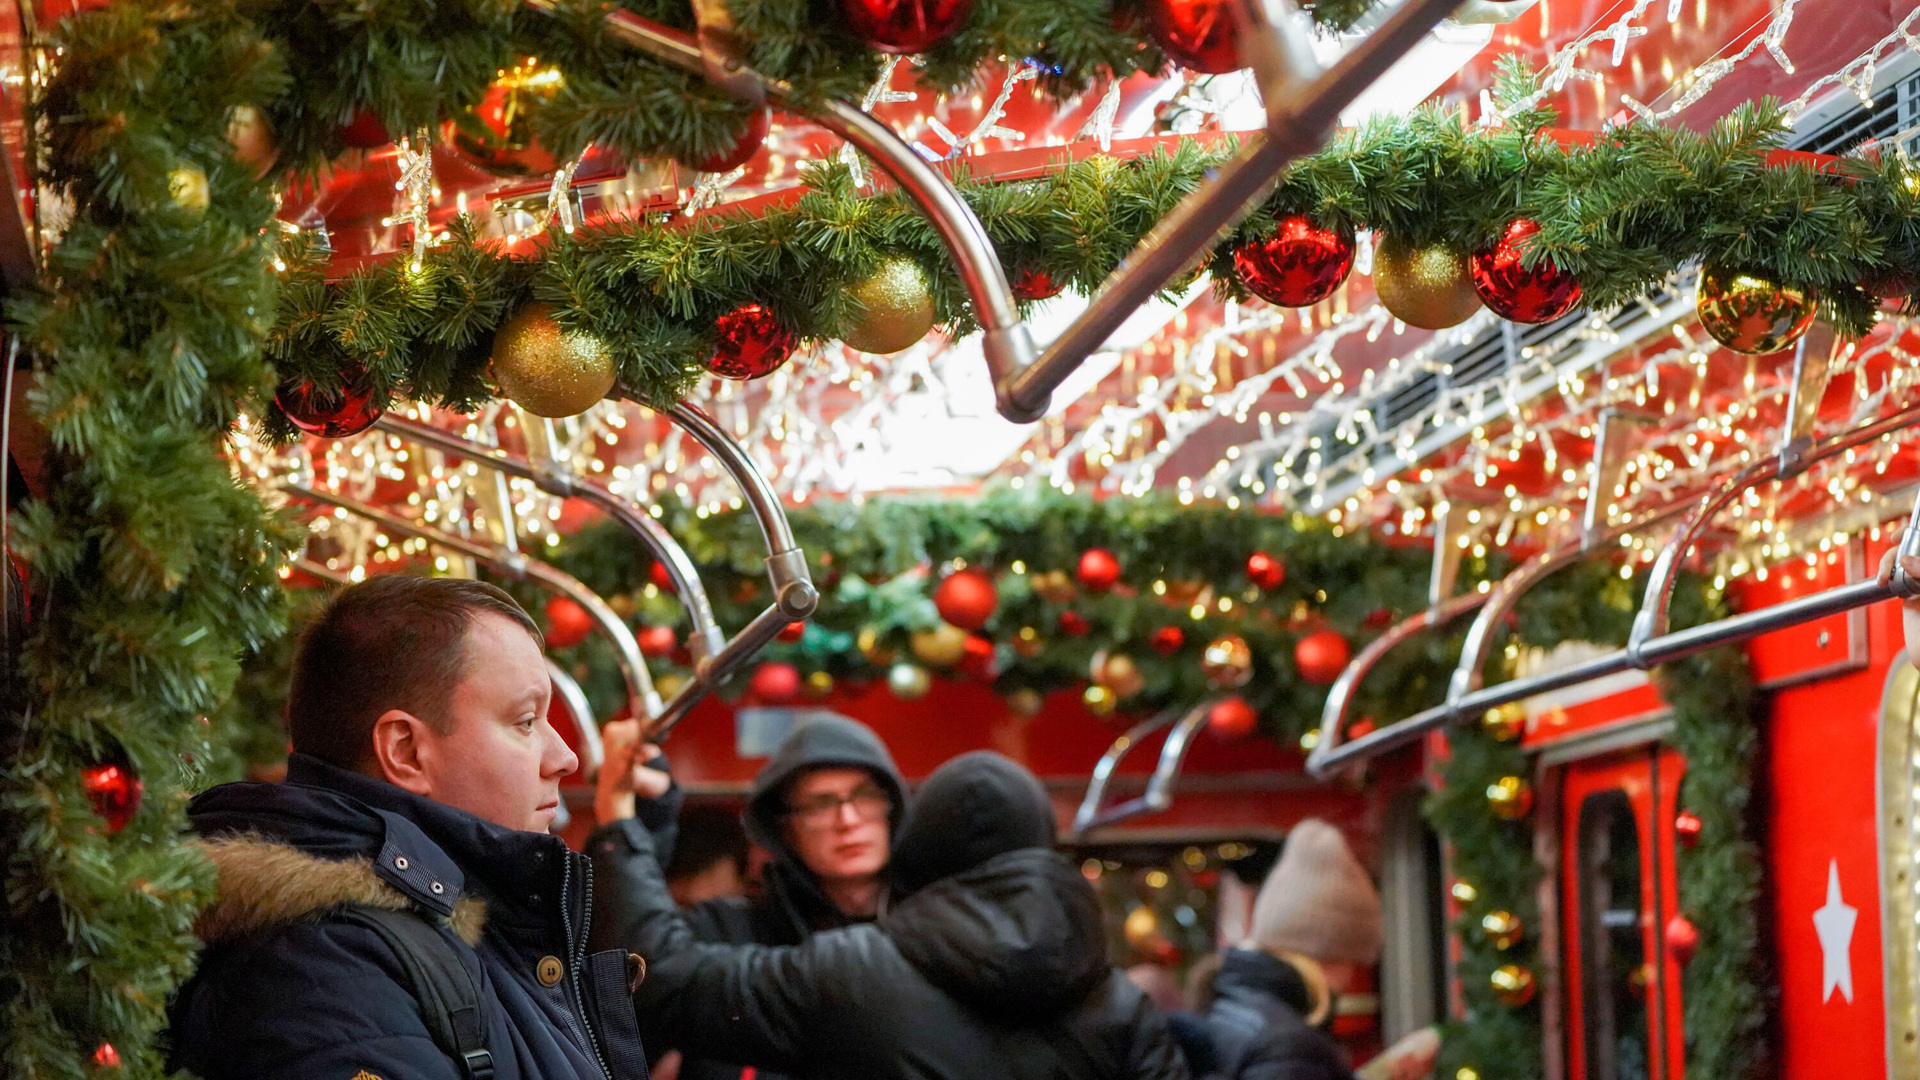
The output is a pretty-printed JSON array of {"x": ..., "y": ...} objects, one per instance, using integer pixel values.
[
  {"x": 1159, "y": 792},
  {"x": 1299, "y": 115},
  {"x": 513, "y": 564},
  {"x": 1653, "y": 618},
  {"x": 707, "y": 637},
  {"x": 1663, "y": 649},
  {"x": 1333, "y": 717}
]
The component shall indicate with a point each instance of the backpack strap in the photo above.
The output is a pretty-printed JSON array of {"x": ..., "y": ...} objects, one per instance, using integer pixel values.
[{"x": 438, "y": 979}]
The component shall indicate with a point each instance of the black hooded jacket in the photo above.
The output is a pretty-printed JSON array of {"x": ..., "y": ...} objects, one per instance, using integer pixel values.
[
  {"x": 1258, "y": 1023},
  {"x": 995, "y": 968}
]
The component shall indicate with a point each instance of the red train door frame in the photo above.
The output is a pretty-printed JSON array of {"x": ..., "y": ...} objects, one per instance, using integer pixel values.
[{"x": 1618, "y": 795}]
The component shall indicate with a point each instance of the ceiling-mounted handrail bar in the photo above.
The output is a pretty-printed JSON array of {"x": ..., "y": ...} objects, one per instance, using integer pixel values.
[
  {"x": 1655, "y": 607},
  {"x": 1299, "y": 114},
  {"x": 1661, "y": 650},
  {"x": 1159, "y": 791},
  {"x": 633, "y": 667},
  {"x": 315, "y": 568},
  {"x": 707, "y": 638},
  {"x": 1333, "y": 717}
]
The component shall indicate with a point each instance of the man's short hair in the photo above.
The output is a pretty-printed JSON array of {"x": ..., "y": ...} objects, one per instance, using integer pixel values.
[{"x": 392, "y": 642}]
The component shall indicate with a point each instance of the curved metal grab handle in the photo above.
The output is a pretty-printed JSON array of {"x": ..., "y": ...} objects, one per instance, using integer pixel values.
[
  {"x": 1333, "y": 717},
  {"x": 707, "y": 638},
  {"x": 1159, "y": 793},
  {"x": 1007, "y": 344},
  {"x": 576, "y": 700},
  {"x": 1653, "y": 619},
  {"x": 518, "y": 566}
]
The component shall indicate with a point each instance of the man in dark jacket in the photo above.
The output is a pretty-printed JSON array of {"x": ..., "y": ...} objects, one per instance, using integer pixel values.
[
  {"x": 826, "y": 807},
  {"x": 989, "y": 962},
  {"x": 423, "y": 777}
]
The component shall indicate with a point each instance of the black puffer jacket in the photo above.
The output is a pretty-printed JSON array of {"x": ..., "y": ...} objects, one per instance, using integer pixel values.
[
  {"x": 997, "y": 970},
  {"x": 1258, "y": 1023}
]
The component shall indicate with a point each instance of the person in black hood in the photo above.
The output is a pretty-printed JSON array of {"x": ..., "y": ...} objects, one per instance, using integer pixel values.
[
  {"x": 989, "y": 961},
  {"x": 827, "y": 807}
]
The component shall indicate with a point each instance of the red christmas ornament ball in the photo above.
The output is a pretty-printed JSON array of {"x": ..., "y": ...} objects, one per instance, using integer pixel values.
[
  {"x": 661, "y": 577},
  {"x": 106, "y": 1057},
  {"x": 1098, "y": 569},
  {"x": 1032, "y": 284},
  {"x": 976, "y": 659},
  {"x": 792, "y": 632},
  {"x": 1321, "y": 656},
  {"x": 1266, "y": 571},
  {"x": 905, "y": 26},
  {"x": 363, "y": 132},
  {"x": 752, "y": 343},
  {"x": 1074, "y": 624},
  {"x": 1301, "y": 264},
  {"x": 1197, "y": 34},
  {"x": 1167, "y": 640},
  {"x": 1682, "y": 938},
  {"x": 1686, "y": 828},
  {"x": 967, "y": 599},
  {"x": 1232, "y": 718},
  {"x": 330, "y": 414},
  {"x": 752, "y": 138},
  {"x": 497, "y": 133},
  {"x": 657, "y": 640},
  {"x": 114, "y": 792},
  {"x": 568, "y": 624},
  {"x": 775, "y": 682},
  {"x": 1516, "y": 293}
]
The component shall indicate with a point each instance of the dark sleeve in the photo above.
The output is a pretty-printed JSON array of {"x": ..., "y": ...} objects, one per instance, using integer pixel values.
[
  {"x": 1153, "y": 1055},
  {"x": 661, "y": 816},
  {"x": 632, "y": 908},
  {"x": 318, "y": 1001},
  {"x": 759, "y": 1005}
]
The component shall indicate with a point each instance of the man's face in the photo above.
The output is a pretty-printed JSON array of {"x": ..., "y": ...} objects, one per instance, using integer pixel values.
[
  {"x": 500, "y": 759},
  {"x": 837, "y": 824}
]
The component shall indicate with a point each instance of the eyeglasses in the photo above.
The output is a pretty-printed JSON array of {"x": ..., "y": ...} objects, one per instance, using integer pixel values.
[{"x": 819, "y": 811}]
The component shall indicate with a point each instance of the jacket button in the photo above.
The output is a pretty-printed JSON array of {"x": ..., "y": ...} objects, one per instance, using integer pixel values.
[{"x": 548, "y": 970}]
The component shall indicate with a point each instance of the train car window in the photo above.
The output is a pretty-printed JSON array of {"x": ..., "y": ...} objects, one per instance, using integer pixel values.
[
  {"x": 1900, "y": 867},
  {"x": 1613, "y": 954},
  {"x": 1161, "y": 898}
]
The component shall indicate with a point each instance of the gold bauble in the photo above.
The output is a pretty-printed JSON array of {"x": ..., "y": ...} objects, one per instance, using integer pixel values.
[
  {"x": 1028, "y": 642},
  {"x": 1505, "y": 722},
  {"x": 1503, "y": 928},
  {"x": 1025, "y": 701},
  {"x": 909, "y": 682},
  {"x": 1141, "y": 927},
  {"x": 548, "y": 370},
  {"x": 1512, "y": 985},
  {"x": 1228, "y": 663},
  {"x": 1119, "y": 674},
  {"x": 869, "y": 645},
  {"x": 1511, "y": 797},
  {"x": 1053, "y": 586},
  {"x": 897, "y": 307},
  {"x": 942, "y": 646},
  {"x": 187, "y": 187},
  {"x": 1466, "y": 1072},
  {"x": 252, "y": 139},
  {"x": 819, "y": 684},
  {"x": 1099, "y": 700},
  {"x": 1429, "y": 287},
  {"x": 668, "y": 685},
  {"x": 1751, "y": 313}
]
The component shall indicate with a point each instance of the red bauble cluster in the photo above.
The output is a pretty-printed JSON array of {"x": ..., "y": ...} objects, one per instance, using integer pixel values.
[
  {"x": 752, "y": 138},
  {"x": 114, "y": 791},
  {"x": 657, "y": 640},
  {"x": 1232, "y": 718},
  {"x": 1321, "y": 656},
  {"x": 1266, "y": 571},
  {"x": 1301, "y": 264},
  {"x": 1031, "y": 284},
  {"x": 1167, "y": 640},
  {"x": 775, "y": 682},
  {"x": 966, "y": 598},
  {"x": 330, "y": 414},
  {"x": 752, "y": 342},
  {"x": 792, "y": 632},
  {"x": 1098, "y": 570},
  {"x": 1516, "y": 293},
  {"x": 905, "y": 26},
  {"x": 568, "y": 624},
  {"x": 1682, "y": 939},
  {"x": 1074, "y": 624},
  {"x": 1197, "y": 34}
]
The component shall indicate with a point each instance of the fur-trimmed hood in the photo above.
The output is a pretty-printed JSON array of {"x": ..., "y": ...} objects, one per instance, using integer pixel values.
[{"x": 266, "y": 885}]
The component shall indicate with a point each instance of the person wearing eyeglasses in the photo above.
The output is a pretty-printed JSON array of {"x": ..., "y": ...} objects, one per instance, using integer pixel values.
[{"x": 826, "y": 807}]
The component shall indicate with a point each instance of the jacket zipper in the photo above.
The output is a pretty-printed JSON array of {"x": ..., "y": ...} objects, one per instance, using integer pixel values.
[{"x": 577, "y": 952}]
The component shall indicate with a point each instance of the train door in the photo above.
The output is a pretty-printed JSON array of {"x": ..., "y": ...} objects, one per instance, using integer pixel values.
[{"x": 1621, "y": 992}]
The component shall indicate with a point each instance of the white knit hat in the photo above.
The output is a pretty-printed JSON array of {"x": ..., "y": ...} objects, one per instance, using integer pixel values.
[{"x": 1317, "y": 901}]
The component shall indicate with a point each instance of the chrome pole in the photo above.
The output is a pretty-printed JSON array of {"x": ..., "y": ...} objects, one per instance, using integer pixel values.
[
  {"x": 1333, "y": 717},
  {"x": 1159, "y": 792}
]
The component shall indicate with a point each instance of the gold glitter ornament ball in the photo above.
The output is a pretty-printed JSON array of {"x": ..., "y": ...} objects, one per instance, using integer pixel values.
[
  {"x": 897, "y": 307},
  {"x": 187, "y": 186},
  {"x": 1430, "y": 287},
  {"x": 547, "y": 369}
]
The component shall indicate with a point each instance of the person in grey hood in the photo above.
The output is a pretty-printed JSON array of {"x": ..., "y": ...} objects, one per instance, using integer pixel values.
[
  {"x": 989, "y": 960},
  {"x": 827, "y": 807}
]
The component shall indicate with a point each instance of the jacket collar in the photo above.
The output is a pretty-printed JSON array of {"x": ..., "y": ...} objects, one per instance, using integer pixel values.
[{"x": 1258, "y": 971}]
